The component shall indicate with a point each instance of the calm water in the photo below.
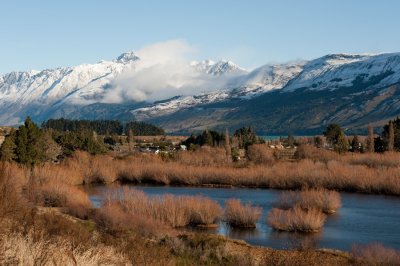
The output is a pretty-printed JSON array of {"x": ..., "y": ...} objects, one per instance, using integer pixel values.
[{"x": 362, "y": 218}]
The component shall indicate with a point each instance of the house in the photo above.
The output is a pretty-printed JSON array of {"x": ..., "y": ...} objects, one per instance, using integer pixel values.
[{"x": 183, "y": 147}]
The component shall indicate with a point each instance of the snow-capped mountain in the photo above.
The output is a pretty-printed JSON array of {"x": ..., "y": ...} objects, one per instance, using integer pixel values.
[
  {"x": 218, "y": 68},
  {"x": 82, "y": 91},
  {"x": 29, "y": 93},
  {"x": 340, "y": 70}
]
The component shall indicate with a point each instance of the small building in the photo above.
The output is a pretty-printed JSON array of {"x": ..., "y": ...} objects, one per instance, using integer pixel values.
[{"x": 183, "y": 147}]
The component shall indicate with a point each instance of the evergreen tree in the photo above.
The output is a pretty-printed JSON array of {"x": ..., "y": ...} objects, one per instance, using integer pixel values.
[
  {"x": 391, "y": 135},
  {"x": 7, "y": 150},
  {"x": 356, "y": 145},
  {"x": 336, "y": 137},
  {"x": 246, "y": 137}
]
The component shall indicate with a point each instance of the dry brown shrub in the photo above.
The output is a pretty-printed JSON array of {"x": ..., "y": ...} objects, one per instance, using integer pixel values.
[
  {"x": 330, "y": 171},
  {"x": 241, "y": 215},
  {"x": 55, "y": 193},
  {"x": 261, "y": 154},
  {"x": 19, "y": 249},
  {"x": 296, "y": 219},
  {"x": 102, "y": 170},
  {"x": 316, "y": 154},
  {"x": 204, "y": 156},
  {"x": 202, "y": 210},
  {"x": 376, "y": 254},
  {"x": 175, "y": 211},
  {"x": 327, "y": 201}
]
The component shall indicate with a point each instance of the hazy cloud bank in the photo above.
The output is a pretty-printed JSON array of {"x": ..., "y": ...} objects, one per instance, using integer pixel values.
[{"x": 163, "y": 71}]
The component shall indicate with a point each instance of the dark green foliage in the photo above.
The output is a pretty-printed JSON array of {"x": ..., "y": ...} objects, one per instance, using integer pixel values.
[
  {"x": 379, "y": 144},
  {"x": 356, "y": 145},
  {"x": 7, "y": 150},
  {"x": 386, "y": 135},
  {"x": 246, "y": 136},
  {"x": 83, "y": 140},
  {"x": 104, "y": 127},
  {"x": 336, "y": 137},
  {"x": 29, "y": 144},
  {"x": 318, "y": 142},
  {"x": 207, "y": 137},
  {"x": 99, "y": 126},
  {"x": 110, "y": 140},
  {"x": 143, "y": 129}
]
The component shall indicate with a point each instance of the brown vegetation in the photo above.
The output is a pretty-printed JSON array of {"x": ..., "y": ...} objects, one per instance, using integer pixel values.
[
  {"x": 31, "y": 235},
  {"x": 367, "y": 173},
  {"x": 296, "y": 219},
  {"x": 376, "y": 254},
  {"x": 241, "y": 215},
  {"x": 175, "y": 211},
  {"x": 261, "y": 154},
  {"x": 327, "y": 201}
]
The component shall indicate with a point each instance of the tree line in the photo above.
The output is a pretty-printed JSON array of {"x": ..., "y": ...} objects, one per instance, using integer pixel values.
[
  {"x": 388, "y": 140},
  {"x": 57, "y": 138},
  {"x": 104, "y": 127}
]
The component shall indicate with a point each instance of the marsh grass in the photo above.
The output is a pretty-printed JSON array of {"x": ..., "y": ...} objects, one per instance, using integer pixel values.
[
  {"x": 241, "y": 215},
  {"x": 328, "y": 201},
  {"x": 296, "y": 219},
  {"x": 366, "y": 173},
  {"x": 175, "y": 211}
]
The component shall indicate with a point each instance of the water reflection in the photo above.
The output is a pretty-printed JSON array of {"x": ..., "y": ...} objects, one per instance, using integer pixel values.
[
  {"x": 294, "y": 240},
  {"x": 238, "y": 233}
]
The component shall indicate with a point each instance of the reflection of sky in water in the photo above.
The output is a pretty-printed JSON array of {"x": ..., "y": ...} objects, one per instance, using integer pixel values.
[{"x": 362, "y": 218}]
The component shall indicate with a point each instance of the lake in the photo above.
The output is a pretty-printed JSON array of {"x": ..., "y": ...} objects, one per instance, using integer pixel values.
[{"x": 362, "y": 218}]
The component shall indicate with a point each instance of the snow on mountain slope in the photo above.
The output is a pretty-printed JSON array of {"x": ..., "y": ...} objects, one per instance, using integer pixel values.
[
  {"x": 36, "y": 92},
  {"x": 342, "y": 70},
  {"x": 218, "y": 68}
]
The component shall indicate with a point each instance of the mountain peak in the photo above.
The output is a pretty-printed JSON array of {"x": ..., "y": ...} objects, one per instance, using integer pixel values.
[
  {"x": 127, "y": 57},
  {"x": 217, "y": 68}
]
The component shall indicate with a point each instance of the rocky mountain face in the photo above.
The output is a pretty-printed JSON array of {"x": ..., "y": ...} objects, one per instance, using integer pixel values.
[{"x": 298, "y": 97}]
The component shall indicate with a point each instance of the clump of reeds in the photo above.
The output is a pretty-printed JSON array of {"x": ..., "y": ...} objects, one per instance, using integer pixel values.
[
  {"x": 241, "y": 215},
  {"x": 175, "y": 211},
  {"x": 296, "y": 219},
  {"x": 328, "y": 201},
  {"x": 55, "y": 193}
]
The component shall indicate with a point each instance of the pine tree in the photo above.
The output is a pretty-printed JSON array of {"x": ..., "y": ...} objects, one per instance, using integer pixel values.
[
  {"x": 356, "y": 145},
  {"x": 7, "y": 150}
]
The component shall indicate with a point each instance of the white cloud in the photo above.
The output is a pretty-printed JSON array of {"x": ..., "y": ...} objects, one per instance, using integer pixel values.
[{"x": 163, "y": 71}]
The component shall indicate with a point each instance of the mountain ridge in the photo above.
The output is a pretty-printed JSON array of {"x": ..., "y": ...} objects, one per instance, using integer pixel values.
[{"x": 229, "y": 92}]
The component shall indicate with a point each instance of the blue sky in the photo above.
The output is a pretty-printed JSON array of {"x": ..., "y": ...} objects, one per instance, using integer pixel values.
[{"x": 46, "y": 34}]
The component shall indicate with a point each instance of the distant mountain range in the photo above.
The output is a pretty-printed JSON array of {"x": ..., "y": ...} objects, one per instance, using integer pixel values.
[{"x": 298, "y": 97}]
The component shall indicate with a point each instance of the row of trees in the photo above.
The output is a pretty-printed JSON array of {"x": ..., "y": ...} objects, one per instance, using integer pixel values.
[
  {"x": 31, "y": 145},
  {"x": 242, "y": 138},
  {"x": 389, "y": 140},
  {"x": 104, "y": 127}
]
